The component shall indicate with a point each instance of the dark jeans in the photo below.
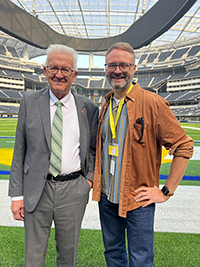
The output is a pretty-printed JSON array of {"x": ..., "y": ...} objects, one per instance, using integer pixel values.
[{"x": 139, "y": 225}]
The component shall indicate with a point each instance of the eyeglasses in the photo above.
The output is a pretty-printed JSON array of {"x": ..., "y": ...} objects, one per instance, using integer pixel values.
[
  {"x": 123, "y": 66},
  {"x": 54, "y": 71}
]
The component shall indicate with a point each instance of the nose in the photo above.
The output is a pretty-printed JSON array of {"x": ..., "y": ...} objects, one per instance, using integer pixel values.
[
  {"x": 118, "y": 70},
  {"x": 59, "y": 73}
]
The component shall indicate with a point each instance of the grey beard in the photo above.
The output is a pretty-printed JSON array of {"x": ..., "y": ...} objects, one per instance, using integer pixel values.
[
  {"x": 118, "y": 87},
  {"x": 123, "y": 86}
]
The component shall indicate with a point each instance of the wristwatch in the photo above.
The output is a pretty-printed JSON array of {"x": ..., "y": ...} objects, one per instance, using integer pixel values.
[{"x": 166, "y": 192}]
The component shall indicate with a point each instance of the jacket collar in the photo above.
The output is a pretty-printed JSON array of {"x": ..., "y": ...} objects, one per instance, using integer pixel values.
[{"x": 131, "y": 95}]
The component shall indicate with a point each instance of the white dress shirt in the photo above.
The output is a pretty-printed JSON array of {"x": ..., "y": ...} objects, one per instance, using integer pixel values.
[{"x": 71, "y": 133}]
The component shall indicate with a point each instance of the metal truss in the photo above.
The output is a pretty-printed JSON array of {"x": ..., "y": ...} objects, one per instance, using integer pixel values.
[{"x": 103, "y": 18}]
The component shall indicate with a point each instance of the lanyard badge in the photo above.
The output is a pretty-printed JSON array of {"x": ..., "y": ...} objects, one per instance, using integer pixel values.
[
  {"x": 113, "y": 150},
  {"x": 113, "y": 147}
]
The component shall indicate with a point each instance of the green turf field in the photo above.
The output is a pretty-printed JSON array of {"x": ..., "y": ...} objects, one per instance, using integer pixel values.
[
  {"x": 195, "y": 134},
  {"x": 171, "y": 249},
  {"x": 8, "y": 126}
]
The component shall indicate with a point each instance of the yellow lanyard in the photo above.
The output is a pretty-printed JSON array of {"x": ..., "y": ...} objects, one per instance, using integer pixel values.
[{"x": 112, "y": 123}]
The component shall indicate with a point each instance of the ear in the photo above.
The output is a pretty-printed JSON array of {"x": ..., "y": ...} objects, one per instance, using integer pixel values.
[
  {"x": 134, "y": 68},
  {"x": 45, "y": 72},
  {"x": 74, "y": 76}
]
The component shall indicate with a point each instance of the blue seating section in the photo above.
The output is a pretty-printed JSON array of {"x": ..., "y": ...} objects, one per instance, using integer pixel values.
[
  {"x": 193, "y": 111},
  {"x": 159, "y": 79},
  {"x": 154, "y": 70},
  {"x": 82, "y": 81},
  {"x": 13, "y": 51},
  {"x": 13, "y": 73},
  {"x": 152, "y": 57},
  {"x": 179, "y": 53},
  {"x": 181, "y": 96},
  {"x": 2, "y": 50},
  {"x": 13, "y": 94},
  {"x": 142, "y": 58},
  {"x": 144, "y": 81},
  {"x": 96, "y": 84},
  {"x": 169, "y": 57},
  {"x": 194, "y": 51},
  {"x": 5, "y": 109},
  {"x": 31, "y": 76}
]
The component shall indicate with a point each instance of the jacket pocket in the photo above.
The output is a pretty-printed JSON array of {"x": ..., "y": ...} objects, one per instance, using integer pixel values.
[
  {"x": 139, "y": 133},
  {"x": 26, "y": 168}
]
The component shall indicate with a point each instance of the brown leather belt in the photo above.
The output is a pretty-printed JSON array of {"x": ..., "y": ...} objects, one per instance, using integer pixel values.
[{"x": 62, "y": 178}]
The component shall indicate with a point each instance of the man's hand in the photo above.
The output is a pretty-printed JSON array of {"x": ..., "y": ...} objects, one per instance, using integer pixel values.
[
  {"x": 90, "y": 183},
  {"x": 17, "y": 208},
  {"x": 151, "y": 194}
]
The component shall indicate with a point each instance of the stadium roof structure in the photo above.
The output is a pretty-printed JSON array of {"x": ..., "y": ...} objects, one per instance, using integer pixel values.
[{"x": 97, "y": 19}]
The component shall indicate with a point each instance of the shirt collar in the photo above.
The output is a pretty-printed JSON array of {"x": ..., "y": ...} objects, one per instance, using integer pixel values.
[
  {"x": 65, "y": 100},
  {"x": 117, "y": 101}
]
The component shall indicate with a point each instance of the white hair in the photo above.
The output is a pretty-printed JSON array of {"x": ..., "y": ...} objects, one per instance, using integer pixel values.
[{"x": 64, "y": 49}]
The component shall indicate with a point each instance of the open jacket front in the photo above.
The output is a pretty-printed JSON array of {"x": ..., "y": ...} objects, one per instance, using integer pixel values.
[{"x": 143, "y": 147}]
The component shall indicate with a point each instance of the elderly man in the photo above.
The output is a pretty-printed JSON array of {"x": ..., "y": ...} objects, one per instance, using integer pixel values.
[{"x": 52, "y": 169}]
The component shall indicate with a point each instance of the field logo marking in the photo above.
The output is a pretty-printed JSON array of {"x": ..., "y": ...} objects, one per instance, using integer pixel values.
[{"x": 6, "y": 155}]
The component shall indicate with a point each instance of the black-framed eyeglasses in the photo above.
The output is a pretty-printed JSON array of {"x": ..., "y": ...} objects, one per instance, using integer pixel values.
[
  {"x": 54, "y": 70},
  {"x": 123, "y": 66}
]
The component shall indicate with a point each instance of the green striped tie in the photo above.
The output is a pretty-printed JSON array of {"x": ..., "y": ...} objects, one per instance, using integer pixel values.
[{"x": 56, "y": 142}]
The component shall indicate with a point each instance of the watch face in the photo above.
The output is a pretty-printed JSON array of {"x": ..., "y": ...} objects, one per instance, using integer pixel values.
[{"x": 165, "y": 190}]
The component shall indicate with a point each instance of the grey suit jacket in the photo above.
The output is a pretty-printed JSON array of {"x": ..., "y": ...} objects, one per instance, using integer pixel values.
[{"x": 31, "y": 158}]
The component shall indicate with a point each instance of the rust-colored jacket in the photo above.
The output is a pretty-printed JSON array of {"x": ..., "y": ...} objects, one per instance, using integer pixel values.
[{"x": 141, "y": 160}]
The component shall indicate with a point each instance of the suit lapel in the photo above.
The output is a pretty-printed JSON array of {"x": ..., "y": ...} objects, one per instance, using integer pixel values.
[
  {"x": 44, "y": 104},
  {"x": 83, "y": 125}
]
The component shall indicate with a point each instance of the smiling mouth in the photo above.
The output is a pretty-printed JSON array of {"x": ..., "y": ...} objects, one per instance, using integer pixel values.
[
  {"x": 117, "y": 77},
  {"x": 59, "y": 81}
]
